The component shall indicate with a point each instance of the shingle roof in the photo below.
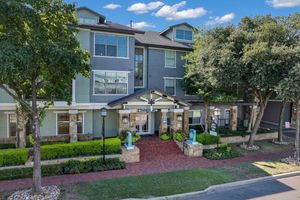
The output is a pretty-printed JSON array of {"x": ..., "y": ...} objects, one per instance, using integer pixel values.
[
  {"x": 111, "y": 27},
  {"x": 102, "y": 17},
  {"x": 152, "y": 38}
]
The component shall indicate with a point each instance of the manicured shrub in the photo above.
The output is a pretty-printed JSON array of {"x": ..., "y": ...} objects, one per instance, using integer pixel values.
[
  {"x": 225, "y": 132},
  {"x": 11, "y": 157},
  {"x": 207, "y": 139},
  {"x": 7, "y": 146},
  {"x": 165, "y": 136},
  {"x": 178, "y": 137},
  {"x": 70, "y": 167},
  {"x": 94, "y": 147},
  {"x": 223, "y": 152}
]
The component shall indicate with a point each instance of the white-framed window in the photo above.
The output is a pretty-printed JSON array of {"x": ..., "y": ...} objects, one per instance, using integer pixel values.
[
  {"x": 139, "y": 67},
  {"x": 110, "y": 83},
  {"x": 170, "y": 59},
  {"x": 170, "y": 86},
  {"x": 109, "y": 45},
  {"x": 63, "y": 123},
  {"x": 184, "y": 34},
  {"x": 195, "y": 117},
  {"x": 85, "y": 20},
  {"x": 12, "y": 125}
]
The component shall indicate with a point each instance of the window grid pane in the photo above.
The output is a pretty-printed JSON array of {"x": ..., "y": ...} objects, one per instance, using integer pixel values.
[
  {"x": 110, "y": 83},
  {"x": 170, "y": 58},
  {"x": 111, "y": 45},
  {"x": 170, "y": 86}
]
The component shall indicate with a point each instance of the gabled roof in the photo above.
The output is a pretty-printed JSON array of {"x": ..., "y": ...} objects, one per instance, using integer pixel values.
[
  {"x": 110, "y": 27},
  {"x": 145, "y": 91},
  {"x": 155, "y": 39},
  {"x": 101, "y": 17},
  {"x": 175, "y": 25}
]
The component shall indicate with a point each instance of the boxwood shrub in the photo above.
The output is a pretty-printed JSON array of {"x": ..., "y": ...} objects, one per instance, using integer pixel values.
[
  {"x": 207, "y": 139},
  {"x": 11, "y": 157},
  {"x": 70, "y": 167},
  {"x": 87, "y": 148}
]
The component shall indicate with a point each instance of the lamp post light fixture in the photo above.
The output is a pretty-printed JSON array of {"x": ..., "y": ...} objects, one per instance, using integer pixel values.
[{"x": 103, "y": 113}]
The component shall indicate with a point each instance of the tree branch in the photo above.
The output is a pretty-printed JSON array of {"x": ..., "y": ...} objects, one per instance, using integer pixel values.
[{"x": 21, "y": 101}]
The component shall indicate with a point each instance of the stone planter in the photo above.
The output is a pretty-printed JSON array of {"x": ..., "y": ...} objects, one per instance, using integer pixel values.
[
  {"x": 130, "y": 156},
  {"x": 241, "y": 139},
  {"x": 192, "y": 150}
]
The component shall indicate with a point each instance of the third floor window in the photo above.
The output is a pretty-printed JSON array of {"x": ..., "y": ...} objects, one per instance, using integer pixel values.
[
  {"x": 184, "y": 34},
  {"x": 111, "y": 45}
]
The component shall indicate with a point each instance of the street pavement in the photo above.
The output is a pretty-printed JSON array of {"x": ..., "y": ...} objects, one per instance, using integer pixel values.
[{"x": 278, "y": 189}]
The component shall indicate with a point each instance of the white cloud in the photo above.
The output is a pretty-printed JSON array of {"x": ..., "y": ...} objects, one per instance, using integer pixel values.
[
  {"x": 112, "y": 6},
  {"x": 283, "y": 3},
  {"x": 141, "y": 25},
  {"x": 171, "y": 12},
  {"x": 220, "y": 20},
  {"x": 140, "y": 8}
]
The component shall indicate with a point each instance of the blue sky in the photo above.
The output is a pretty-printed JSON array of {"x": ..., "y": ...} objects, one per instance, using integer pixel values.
[{"x": 159, "y": 14}]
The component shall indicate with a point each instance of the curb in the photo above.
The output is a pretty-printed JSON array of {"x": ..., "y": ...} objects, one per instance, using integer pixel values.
[{"x": 225, "y": 186}]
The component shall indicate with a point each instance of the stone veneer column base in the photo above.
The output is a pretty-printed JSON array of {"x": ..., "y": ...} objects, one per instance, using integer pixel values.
[
  {"x": 192, "y": 150},
  {"x": 130, "y": 156}
]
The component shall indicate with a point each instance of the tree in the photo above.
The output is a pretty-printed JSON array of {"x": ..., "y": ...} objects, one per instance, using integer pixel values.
[
  {"x": 199, "y": 79},
  {"x": 289, "y": 89},
  {"x": 257, "y": 55},
  {"x": 39, "y": 57},
  {"x": 281, "y": 121}
]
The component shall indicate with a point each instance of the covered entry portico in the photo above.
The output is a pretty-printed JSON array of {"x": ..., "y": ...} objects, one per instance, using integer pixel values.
[{"x": 147, "y": 112}]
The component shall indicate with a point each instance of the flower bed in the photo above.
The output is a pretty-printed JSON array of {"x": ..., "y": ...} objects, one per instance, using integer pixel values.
[{"x": 221, "y": 153}]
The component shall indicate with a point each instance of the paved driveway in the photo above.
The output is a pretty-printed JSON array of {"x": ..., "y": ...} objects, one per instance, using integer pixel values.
[{"x": 280, "y": 189}]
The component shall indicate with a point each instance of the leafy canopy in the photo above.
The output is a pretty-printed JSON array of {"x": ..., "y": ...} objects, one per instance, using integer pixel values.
[{"x": 38, "y": 49}]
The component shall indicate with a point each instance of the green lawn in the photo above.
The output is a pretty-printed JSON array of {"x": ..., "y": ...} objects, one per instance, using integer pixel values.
[{"x": 172, "y": 182}]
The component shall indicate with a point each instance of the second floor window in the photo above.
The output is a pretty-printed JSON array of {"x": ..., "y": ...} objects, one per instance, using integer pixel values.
[
  {"x": 170, "y": 86},
  {"x": 110, "y": 82},
  {"x": 111, "y": 45},
  {"x": 184, "y": 34},
  {"x": 170, "y": 59},
  {"x": 139, "y": 67}
]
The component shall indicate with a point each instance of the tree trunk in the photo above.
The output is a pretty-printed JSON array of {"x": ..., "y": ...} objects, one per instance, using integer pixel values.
[
  {"x": 252, "y": 113},
  {"x": 206, "y": 116},
  {"x": 22, "y": 120},
  {"x": 37, "y": 175},
  {"x": 281, "y": 121},
  {"x": 297, "y": 137},
  {"x": 263, "y": 105}
]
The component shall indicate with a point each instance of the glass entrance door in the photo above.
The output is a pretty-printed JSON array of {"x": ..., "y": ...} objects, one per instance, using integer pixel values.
[{"x": 142, "y": 123}]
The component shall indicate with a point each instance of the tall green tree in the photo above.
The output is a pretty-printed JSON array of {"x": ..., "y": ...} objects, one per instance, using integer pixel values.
[
  {"x": 40, "y": 54},
  {"x": 257, "y": 55},
  {"x": 289, "y": 89},
  {"x": 199, "y": 77}
]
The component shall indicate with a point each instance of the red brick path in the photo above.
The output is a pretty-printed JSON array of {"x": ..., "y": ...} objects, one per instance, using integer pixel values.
[{"x": 156, "y": 156}]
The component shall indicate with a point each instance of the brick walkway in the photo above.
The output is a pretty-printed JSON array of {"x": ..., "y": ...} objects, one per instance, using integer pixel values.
[{"x": 156, "y": 156}]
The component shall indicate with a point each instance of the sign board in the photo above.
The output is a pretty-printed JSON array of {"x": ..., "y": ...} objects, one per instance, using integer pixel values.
[
  {"x": 213, "y": 128},
  {"x": 287, "y": 125}
]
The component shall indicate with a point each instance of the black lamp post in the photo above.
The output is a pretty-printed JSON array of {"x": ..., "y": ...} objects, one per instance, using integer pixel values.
[{"x": 103, "y": 113}]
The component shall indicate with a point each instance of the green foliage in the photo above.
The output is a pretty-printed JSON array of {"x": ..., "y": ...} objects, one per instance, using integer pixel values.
[
  {"x": 70, "y": 167},
  {"x": 11, "y": 157},
  {"x": 7, "y": 146},
  {"x": 94, "y": 147},
  {"x": 178, "y": 137},
  {"x": 207, "y": 139},
  {"x": 289, "y": 88},
  {"x": 135, "y": 137},
  {"x": 223, "y": 152},
  {"x": 225, "y": 132},
  {"x": 165, "y": 136}
]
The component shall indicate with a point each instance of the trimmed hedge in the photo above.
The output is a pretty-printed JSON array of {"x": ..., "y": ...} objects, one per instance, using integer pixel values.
[
  {"x": 178, "y": 137},
  {"x": 87, "y": 148},
  {"x": 11, "y": 157},
  {"x": 241, "y": 132},
  {"x": 207, "y": 139},
  {"x": 70, "y": 167}
]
